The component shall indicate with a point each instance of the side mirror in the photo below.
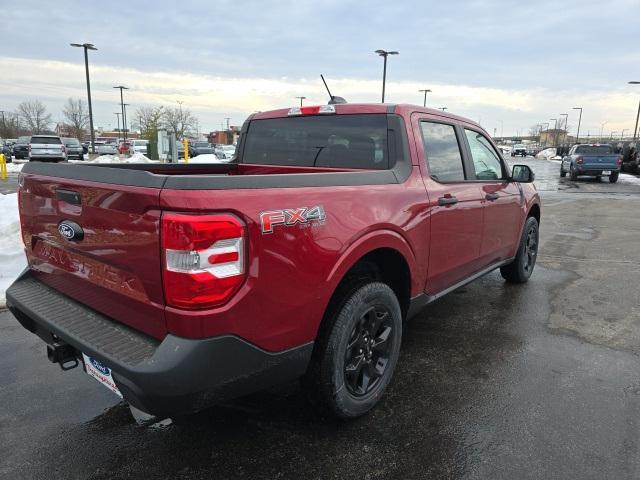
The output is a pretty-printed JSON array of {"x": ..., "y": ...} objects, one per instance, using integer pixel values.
[{"x": 522, "y": 174}]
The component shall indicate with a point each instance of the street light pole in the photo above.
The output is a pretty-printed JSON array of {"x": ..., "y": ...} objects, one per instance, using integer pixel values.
[
  {"x": 602, "y": 128},
  {"x": 385, "y": 54},
  {"x": 622, "y": 134},
  {"x": 124, "y": 117},
  {"x": 301, "y": 98},
  {"x": 635, "y": 130},
  {"x": 426, "y": 90},
  {"x": 443, "y": 108},
  {"x": 86, "y": 47},
  {"x": 579, "y": 121},
  {"x": 124, "y": 121},
  {"x": 117, "y": 114}
]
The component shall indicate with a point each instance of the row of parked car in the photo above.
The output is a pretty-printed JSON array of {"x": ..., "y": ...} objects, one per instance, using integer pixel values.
[
  {"x": 222, "y": 152},
  {"x": 43, "y": 147}
]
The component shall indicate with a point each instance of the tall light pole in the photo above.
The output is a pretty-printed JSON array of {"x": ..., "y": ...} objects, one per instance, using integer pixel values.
[
  {"x": 555, "y": 131},
  {"x": 227, "y": 119},
  {"x": 385, "y": 54},
  {"x": 86, "y": 47},
  {"x": 622, "y": 133},
  {"x": 546, "y": 129},
  {"x": 425, "y": 90},
  {"x": 124, "y": 122},
  {"x": 566, "y": 124},
  {"x": 124, "y": 117},
  {"x": 443, "y": 108},
  {"x": 579, "y": 121},
  {"x": 635, "y": 130},
  {"x": 501, "y": 129},
  {"x": 117, "y": 114},
  {"x": 602, "y": 128},
  {"x": 301, "y": 98}
]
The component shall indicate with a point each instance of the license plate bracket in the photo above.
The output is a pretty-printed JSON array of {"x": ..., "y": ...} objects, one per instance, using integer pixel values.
[{"x": 101, "y": 373}]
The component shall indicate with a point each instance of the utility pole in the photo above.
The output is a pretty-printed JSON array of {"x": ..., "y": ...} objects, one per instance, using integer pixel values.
[
  {"x": 566, "y": 125},
  {"x": 635, "y": 130},
  {"x": 124, "y": 117},
  {"x": 229, "y": 118},
  {"x": 385, "y": 54},
  {"x": 579, "y": 121},
  {"x": 555, "y": 132},
  {"x": 602, "y": 129},
  {"x": 426, "y": 90},
  {"x": 86, "y": 47}
]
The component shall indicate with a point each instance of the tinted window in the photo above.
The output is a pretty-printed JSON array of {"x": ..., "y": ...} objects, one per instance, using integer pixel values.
[
  {"x": 442, "y": 151},
  {"x": 486, "y": 162},
  {"x": 349, "y": 141},
  {"x": 202, "y": 144},
  {"x": 45, "y": 140},
  {"x": 594, "y": 149},
  {"x": 70, "y": 141}
]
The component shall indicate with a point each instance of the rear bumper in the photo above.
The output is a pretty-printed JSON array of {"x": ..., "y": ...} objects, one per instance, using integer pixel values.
[
  {"x": 596, "y": 170},
  {"x": 173, "y": 376}
]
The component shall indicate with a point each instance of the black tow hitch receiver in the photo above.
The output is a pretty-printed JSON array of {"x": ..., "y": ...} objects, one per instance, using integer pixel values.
[{"x": 63, "y": 354}]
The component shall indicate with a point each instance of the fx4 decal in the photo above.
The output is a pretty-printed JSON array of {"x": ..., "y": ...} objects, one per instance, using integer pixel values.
[{"x": 291, "y": 216}]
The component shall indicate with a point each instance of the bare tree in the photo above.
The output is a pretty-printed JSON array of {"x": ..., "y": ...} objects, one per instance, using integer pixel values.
[
  {"x": 150, "y": 120},
  {"x": 77, "y": 116},
  {"x": 179, "y": 120},
  {"x": 10, "y": 125},
  {"x": 34, "y": 115}
]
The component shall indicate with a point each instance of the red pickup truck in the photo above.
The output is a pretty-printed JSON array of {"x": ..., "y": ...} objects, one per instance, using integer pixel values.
[{"x": 179, "y": 286}]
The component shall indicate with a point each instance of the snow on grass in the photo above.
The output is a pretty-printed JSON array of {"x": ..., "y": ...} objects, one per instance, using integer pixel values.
[
  {"x": 12, "y": 258},
  {"x": 14, "y": 167}
]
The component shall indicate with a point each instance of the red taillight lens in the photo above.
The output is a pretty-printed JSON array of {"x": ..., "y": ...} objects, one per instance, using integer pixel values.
[
  {"x": 619, "y": 161},
  {"x": 204, "y": 259},
  {"x": 580, "y": 160}
]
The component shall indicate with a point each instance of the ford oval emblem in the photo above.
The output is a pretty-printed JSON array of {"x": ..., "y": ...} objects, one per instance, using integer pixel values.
[
  {"x": 100, "y": 367},
  {"x": 70, "y": 230}
]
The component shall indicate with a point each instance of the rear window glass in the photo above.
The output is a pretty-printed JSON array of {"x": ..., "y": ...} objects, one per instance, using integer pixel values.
[
  {"x": 341, "y": 141},
  {"x": 45, "y": 140},
  {"x": 594, "y": 149},
  {"x": 202, "y": 144},
  {"x": 71, "y": 141}
]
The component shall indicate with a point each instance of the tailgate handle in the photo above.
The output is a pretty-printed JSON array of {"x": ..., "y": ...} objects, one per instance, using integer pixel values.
[{"x": 68, "y": 196}]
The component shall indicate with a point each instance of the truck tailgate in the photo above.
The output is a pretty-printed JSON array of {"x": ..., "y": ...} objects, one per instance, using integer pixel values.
[
  {"x": 601, "y": 161},
  {"x": 114, "y": 267}
]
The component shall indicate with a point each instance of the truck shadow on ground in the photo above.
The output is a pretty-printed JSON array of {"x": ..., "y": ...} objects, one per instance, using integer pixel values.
[{"x": 450, "y": 353}]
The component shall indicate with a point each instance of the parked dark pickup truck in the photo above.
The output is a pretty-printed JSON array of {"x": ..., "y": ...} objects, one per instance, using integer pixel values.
[
  {"x": 593, "y": 160},
  {"x": 179, "y": 286}
]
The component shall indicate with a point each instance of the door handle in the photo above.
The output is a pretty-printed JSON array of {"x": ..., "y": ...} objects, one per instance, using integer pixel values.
[
  {"x": 447, "y": 200},
  {"x": 492, "y": 196}
]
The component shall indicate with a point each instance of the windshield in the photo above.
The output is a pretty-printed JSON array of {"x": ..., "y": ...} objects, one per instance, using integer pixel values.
[
  {"x": 70, "y": 141},
  {"x": 594, "y": 149},
  {"x": 139, "y": 143},
  {"x": 347, "y": 141}
]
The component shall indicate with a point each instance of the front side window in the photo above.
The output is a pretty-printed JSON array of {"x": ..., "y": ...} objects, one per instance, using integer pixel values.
[
  {"x": 442, "y": 151},
  {"x": 486, "y": 162}
]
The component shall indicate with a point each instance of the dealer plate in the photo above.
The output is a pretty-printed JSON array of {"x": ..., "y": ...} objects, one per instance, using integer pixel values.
[
  {"x": 101, "y": 373},
  {"x": 606, "y": 172}
]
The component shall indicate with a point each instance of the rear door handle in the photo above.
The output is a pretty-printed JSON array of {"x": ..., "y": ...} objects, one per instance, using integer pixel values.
[
  {"x": 492, "y": 196},
  {"x": 447, "y": 201}
]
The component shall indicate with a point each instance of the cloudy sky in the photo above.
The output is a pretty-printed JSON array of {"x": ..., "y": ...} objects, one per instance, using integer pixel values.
[{"x": 507, "y": 64}]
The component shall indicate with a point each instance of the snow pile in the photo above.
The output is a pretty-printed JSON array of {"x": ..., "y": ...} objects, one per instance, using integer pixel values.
[
  {"x": 135, "y": 158},
  {"x": 547, "y": 154},
  {"x": 205, "y": 158},
  {"x": 12, "y": 259},
  {"x": 627, "y": 179},
  {"x": 14, "y": 167}
]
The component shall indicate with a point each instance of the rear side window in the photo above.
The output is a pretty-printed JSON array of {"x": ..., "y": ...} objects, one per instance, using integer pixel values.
[
  {"x": 443, "y": 152},
  {"x": 594, "y": 149},
  {"x": 340, "y": 141},
  {"x": 45, "y": 140}
]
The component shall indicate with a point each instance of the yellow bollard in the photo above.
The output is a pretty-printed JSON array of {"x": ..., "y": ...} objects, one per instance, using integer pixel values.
[
  {"x": 185, "y": 142},
  {"x": 3, "y": 167}
]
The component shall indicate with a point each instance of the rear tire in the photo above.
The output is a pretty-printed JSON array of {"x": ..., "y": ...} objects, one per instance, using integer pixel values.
[
  {"x": 572, "y": 174},
  {"x": 522, "y": 266},
  {"x": 562, "y": 172},
  {"x": 613, "y": 178},
  {"x": 356, "y": 350}
]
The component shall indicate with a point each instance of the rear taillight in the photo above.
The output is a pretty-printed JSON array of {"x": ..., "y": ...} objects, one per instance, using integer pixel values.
[
  {"x": 204, "y": 259},
  {"x": 63, "y": 149},
  {"x": 29, "y": 148},
  {"x": 580, "y": 160},
  {"x": 619, "y": 160}
]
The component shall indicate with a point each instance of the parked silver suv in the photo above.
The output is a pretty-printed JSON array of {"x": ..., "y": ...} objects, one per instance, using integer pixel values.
[{"x": 47, "y": 147}]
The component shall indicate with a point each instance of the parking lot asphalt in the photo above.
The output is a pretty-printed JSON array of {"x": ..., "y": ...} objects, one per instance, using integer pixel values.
[{"x": 495, "y": 381}]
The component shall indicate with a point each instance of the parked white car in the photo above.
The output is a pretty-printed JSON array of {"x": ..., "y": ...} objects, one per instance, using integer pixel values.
[
  {"x": 47, "y": 147},
  {"x": 225, "y": 152},
  {"x": 139, "y": 146}
]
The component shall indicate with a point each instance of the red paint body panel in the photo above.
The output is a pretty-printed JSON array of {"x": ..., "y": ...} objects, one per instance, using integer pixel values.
[{"x": 293, "y": 271}]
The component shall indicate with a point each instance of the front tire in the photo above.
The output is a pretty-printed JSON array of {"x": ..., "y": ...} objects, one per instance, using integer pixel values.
[
  {"x": 573, "y": 174},
  {"x": 356, "y": 351},
  {"x": 522, "y": 266},
  {"x": 562, "y": 172}
]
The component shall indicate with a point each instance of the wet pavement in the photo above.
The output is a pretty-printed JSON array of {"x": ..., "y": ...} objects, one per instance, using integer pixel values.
[{"x": 495, "y": 381}]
